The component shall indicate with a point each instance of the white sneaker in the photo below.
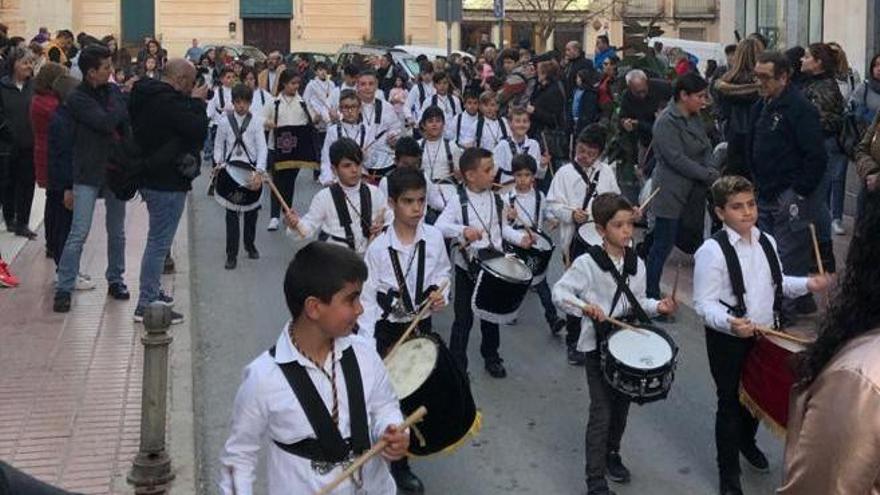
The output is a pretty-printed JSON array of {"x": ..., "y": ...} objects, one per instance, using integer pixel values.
[
  {"x": 838, "y": 228},
  {"x": 273, "y": 225},
  {"x": 83, "y": 282}
]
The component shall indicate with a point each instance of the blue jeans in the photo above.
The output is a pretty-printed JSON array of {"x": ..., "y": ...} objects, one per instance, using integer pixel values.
[
  {"x": 84, "y": 198},
  {"x": 165, "y": 209},
  {"x": 665, "y": 231},
  {"x": 837, "y": 165}
]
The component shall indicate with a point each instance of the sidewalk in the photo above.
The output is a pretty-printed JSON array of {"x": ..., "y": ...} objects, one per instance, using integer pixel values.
[{"x": 70, "y": 385}]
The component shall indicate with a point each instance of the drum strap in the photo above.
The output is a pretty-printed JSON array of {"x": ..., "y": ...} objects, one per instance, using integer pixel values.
[
  {"x": 401, "y": 277},
  {"x": 630, "y": 267},
  {"x": 345, "y": 220},
  {"x": 421, "y": 93},
  {"x": 734, "y": 269},
  {"x": 458, "y": 129},
  {"x": 239, "y": 135},
  {"x": 534, "y": 219},
  {"x": 591, "y": 184},
  {"x": 362, "y": 133},
  {"x": 465, "y": 217},
  {"x": 220, "y": 110},
  {"x": 329, "y": 443},
  {"x": 449, "y": 97},
  {"x": 450, "y": 164}
]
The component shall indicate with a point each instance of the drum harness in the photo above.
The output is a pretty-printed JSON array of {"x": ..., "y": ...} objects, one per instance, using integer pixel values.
[
  {"x": 339, "y": 202},
  {"x": 239, "y": 136},
  {"x": 435, "y": 102},
  {"x": 465, "y": 218},
  {"x": 734, "y": 269},
  {"x": 362, "y": 132},
  {"x": 630, "y": 266},
  {"x": 399, "y": 302},
  {"x": 329, "y": 450},
  {"x": 449, "y": 161},
  {"x": 534, "y": 225}
]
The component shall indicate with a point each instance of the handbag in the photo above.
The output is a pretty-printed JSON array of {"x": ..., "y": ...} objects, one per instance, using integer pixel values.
[{"x": 691, "y": 223}]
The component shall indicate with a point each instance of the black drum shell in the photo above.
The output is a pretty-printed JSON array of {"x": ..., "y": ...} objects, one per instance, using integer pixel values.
[{"x": 627, "y": 380}]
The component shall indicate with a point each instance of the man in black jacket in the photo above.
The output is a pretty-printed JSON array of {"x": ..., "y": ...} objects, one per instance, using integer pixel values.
[
  {"x": 787, "y": 160},
  {"x": 575, "y": 62},
  {"x": 168, "y": 110},
  {"x": 98, "y": 114}
]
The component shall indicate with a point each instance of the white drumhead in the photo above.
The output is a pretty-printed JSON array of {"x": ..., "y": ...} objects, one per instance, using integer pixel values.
[
  {"x": 411, "y": 365},
  {"x": 241, "y": 176},
  {"x": 509, "y": 267},
  {"x": 640, "y": 350},
  {"x": 542, "y": 244}
]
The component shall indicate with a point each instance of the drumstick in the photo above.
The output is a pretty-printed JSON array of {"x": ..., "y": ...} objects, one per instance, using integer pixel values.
[
  {"x": 426, "y": 306},
  {"x": 782, "y": 335},
  {"x": 412, "y": 419},
  {"x": 613, "y": 321},
  {"x": 648, "y": 200},
  {"x": 287, "y": 209},
  {"x": 816, "y": 250},
  {"x": 378, "y": 218}
]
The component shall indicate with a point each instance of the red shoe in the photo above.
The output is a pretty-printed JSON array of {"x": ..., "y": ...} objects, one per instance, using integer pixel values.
[{"x": 7, "y": 279}]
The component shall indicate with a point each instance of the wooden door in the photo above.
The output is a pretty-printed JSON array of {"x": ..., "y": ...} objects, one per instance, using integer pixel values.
[{"x": 268, "y": 34}]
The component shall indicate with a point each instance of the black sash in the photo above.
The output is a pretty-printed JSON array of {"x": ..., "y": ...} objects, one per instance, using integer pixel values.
[
  {"x": 449, "y": 97},
  {"x": 238, "y": 132},
  {"x": 734, "y": 269},
  {"x": 458, "y": 130},
  {"x": 536, "y": 220},
  {"x": 366, "y": 209},
  {"x": 630, "y": 267},
  {"x": 222, "y": 101},
  {"x": 362, "y": 132},
  {"x": 465, "y": 217},
  {"x": 405, "y": 297},
  {"x": 591, "y": 184},
  {"x": 421, "y": 93},
  {"x": 329, "y": 445},
  {"x": 377, "y": 114},
  {"x": 481, "y": 121}
]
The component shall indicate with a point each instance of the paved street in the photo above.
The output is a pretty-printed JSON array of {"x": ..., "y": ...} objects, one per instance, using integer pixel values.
[{"x": 533, "y": 428}]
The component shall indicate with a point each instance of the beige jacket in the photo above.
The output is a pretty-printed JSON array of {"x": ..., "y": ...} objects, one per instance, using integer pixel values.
[
  {"x": 263, "y": 80},
  {"x": 833, "y": 442}
]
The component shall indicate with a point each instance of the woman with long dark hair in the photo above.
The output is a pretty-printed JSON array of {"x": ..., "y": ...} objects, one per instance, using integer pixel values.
[{"x": 833, "y": 443}]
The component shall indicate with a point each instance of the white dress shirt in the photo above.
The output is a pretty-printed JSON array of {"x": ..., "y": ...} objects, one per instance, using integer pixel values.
[
  {"x": 492, "y": 135},
  {"x": 266, "y": 406},
  {"x": 712, "y": 281},
  {"x": 215, "y": 109},
  {"x": 567, "y": 190},
  {"x": 381, "y": 154},
  {"x": 322, "y": 215},
  {"x": 432, "y": 192},
  {"x": 451, "y": 106},
  {"x": 253, "y": 138},
  {"x": 361, "y": 133},
  {"x": 413, "y": 107},
  {"x": 464, "y": 129},
  {"x": 505, "y": 150},
  {"x": 260, "y": 100},
  {"x": 483, "y": 215},
  {"x": 290, "y": 113},
  {"x": 435, "y": 163},
  {"x": 320, "y": 97},
  {"x": 587, "y": 283},
  {"x": 381, "y": 276}
]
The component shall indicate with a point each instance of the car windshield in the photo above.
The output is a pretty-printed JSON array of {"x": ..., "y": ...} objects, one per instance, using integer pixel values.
[{"x": 410, "y": 63}]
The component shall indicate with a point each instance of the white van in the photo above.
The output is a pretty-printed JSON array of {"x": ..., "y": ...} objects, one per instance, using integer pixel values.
[{"x": 432, "y": 52}]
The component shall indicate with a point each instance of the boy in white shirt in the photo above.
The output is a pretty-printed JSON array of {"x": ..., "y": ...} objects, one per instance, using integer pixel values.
[
  {"x": 422, "y": 91},
  {"x": 492, "y": 129},
  {"x": 440, "y": 159},
  {"x": 315, "y": 356},
  {"x": 221, "y": 102},
  {"x": 406, "y": 263},
  {"x": 240, "y": 140},
  {"x": 465, "y": 124},
  {"x": 518, "y": 143},
  {"x": 387, "y": 127},
  {"x": 348, "y": 212},
  {"x": 322, "y": 97},
  {"x": 351, "y": 126},
  {"x": 448, "y": 102},
  {"x": 738, "y": 286},
  {"x": 476, "y": 219},
  {"x": 571, "y": 193},
  {"x": 588, "y": 290}
]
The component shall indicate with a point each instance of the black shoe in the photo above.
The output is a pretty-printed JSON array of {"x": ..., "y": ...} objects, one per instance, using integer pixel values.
[
  {"x": 23, "y": 231},
  {"x": 62, "y": 302},
  {"x": 556, "y": 326},
  {"x": 176, "y": 318},
  {"x": 598, "y": 486},
  {"x": 168, "y": 267},
  {"x": 165, "y": 299},
  {"x": 576, "y": 357},
  {"x": 406, "y": 481},
  {"x": 119, "y": 292},
  {"x": 755, "y": 458},
  {"x": 496, "y": 369},
  {"x": 617, "y": 472},
  {"x": 730, "y": 486},
  {"x": 231, "y": 263},
  {"x": 253, "y": 254}
]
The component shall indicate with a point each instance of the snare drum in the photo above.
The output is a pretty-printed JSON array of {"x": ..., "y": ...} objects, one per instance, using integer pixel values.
[
  {"x": 423, "y": 373},
  {"x": 537, "y": 258},
  {"x": 502, "y": 284},
  {"x": 767, "y": 379},
  {"x": 639, "y": 365},
  {"x": 231, "y": 187}
]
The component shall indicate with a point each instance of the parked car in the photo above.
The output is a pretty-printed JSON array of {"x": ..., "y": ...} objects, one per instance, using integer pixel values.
[
  {"x": 432, "y": 52},
  {"x": 240, "y": 51},
  {"x": 312, "y": 57},
  {"x": 360, "y": 54}
]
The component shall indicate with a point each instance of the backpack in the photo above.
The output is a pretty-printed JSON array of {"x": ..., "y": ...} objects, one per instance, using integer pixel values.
[{"x": 853, "y": 128}]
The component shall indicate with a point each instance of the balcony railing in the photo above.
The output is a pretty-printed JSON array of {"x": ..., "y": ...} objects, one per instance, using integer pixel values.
[{"x": 695, "y": 8}]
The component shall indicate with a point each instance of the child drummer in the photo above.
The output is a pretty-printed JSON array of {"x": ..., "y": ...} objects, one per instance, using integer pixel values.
[
  {"x": 732, "y": 307},
  {"x": 589, "y": 289},
  {"x": 348, "y": 212},
  {"x": 317, "y": 386},
  {"x": 406, "y": 265},
  {"x": 240, "y": 140},
  {"x": 528, "y": 211},
  {"x": 476, "y": 220}
]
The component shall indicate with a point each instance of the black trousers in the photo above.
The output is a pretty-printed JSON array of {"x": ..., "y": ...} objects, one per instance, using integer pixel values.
[
  {"x": 464, "y": 320},
  {"x": 735, "y": 427},
  {"x": 285, "y": 181},
  {"x": 18, "y": 194},
  {"x": 609, "y": 410},
  {"x": 232, "y": 231},
  {"x": 58, "y": 222}
]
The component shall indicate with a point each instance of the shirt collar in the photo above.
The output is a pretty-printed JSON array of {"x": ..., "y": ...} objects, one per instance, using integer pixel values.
[
  {"x": 395, "y": 242},
  {"x": 734, "y": 237},
  {"x": 286, "y": 352},
  {"x": 351, "y": 190}
]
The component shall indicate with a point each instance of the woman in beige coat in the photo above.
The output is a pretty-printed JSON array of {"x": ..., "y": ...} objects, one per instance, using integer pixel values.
[{"x": 833, "y": 443}]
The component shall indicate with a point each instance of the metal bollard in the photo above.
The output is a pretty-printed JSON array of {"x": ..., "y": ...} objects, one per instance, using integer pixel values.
[{"x": 151, "y": 469}]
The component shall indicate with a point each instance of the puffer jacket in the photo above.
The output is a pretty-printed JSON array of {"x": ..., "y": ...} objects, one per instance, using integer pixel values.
[{"x": 824, "y": 93}]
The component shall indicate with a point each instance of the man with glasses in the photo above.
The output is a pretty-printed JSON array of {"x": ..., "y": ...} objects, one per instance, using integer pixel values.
[
  {"x": 788, "y": 160},
  {"x": 268, "y": 78}
]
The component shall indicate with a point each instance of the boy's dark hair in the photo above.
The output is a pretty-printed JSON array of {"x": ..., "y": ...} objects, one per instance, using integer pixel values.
[
  {"x": 226, "y": 69},
  {"x": 471, "y": 159},
  {"x": 346, "y": 148},
  {"x": 432, "y": 112},
  {"x": 509, "y": 54},
  {"x": 401, "y": 180},
  {"x": 426, "y": 68},
  {"x": 368, "y": 72},
  {"x": 307, "y": 274},
  {"x": 321, "y": 65},
  {"x": 288, "y": 75},
  {"x": 690, "y": 83},
  {"x": 351, "y": 70},
  {"x": 606, "y": 205},
  {"x": 348, "y": 94},
  {"x": 65, "y": 33},
  {"x": 524, "y": 161},
  {"x": 407, "y": 146},
  {"x": 471, "y": 94},
  {"x": 781, "y": 63},
  {"x": 725, "y": 187},
  {"x": 91, "y": 57},
  {"x": 440, "y": 76},
  {"x": 242, "y": 92},
  {"x": 593, "y": 136},
  {"x": 730, "y": 49}
]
